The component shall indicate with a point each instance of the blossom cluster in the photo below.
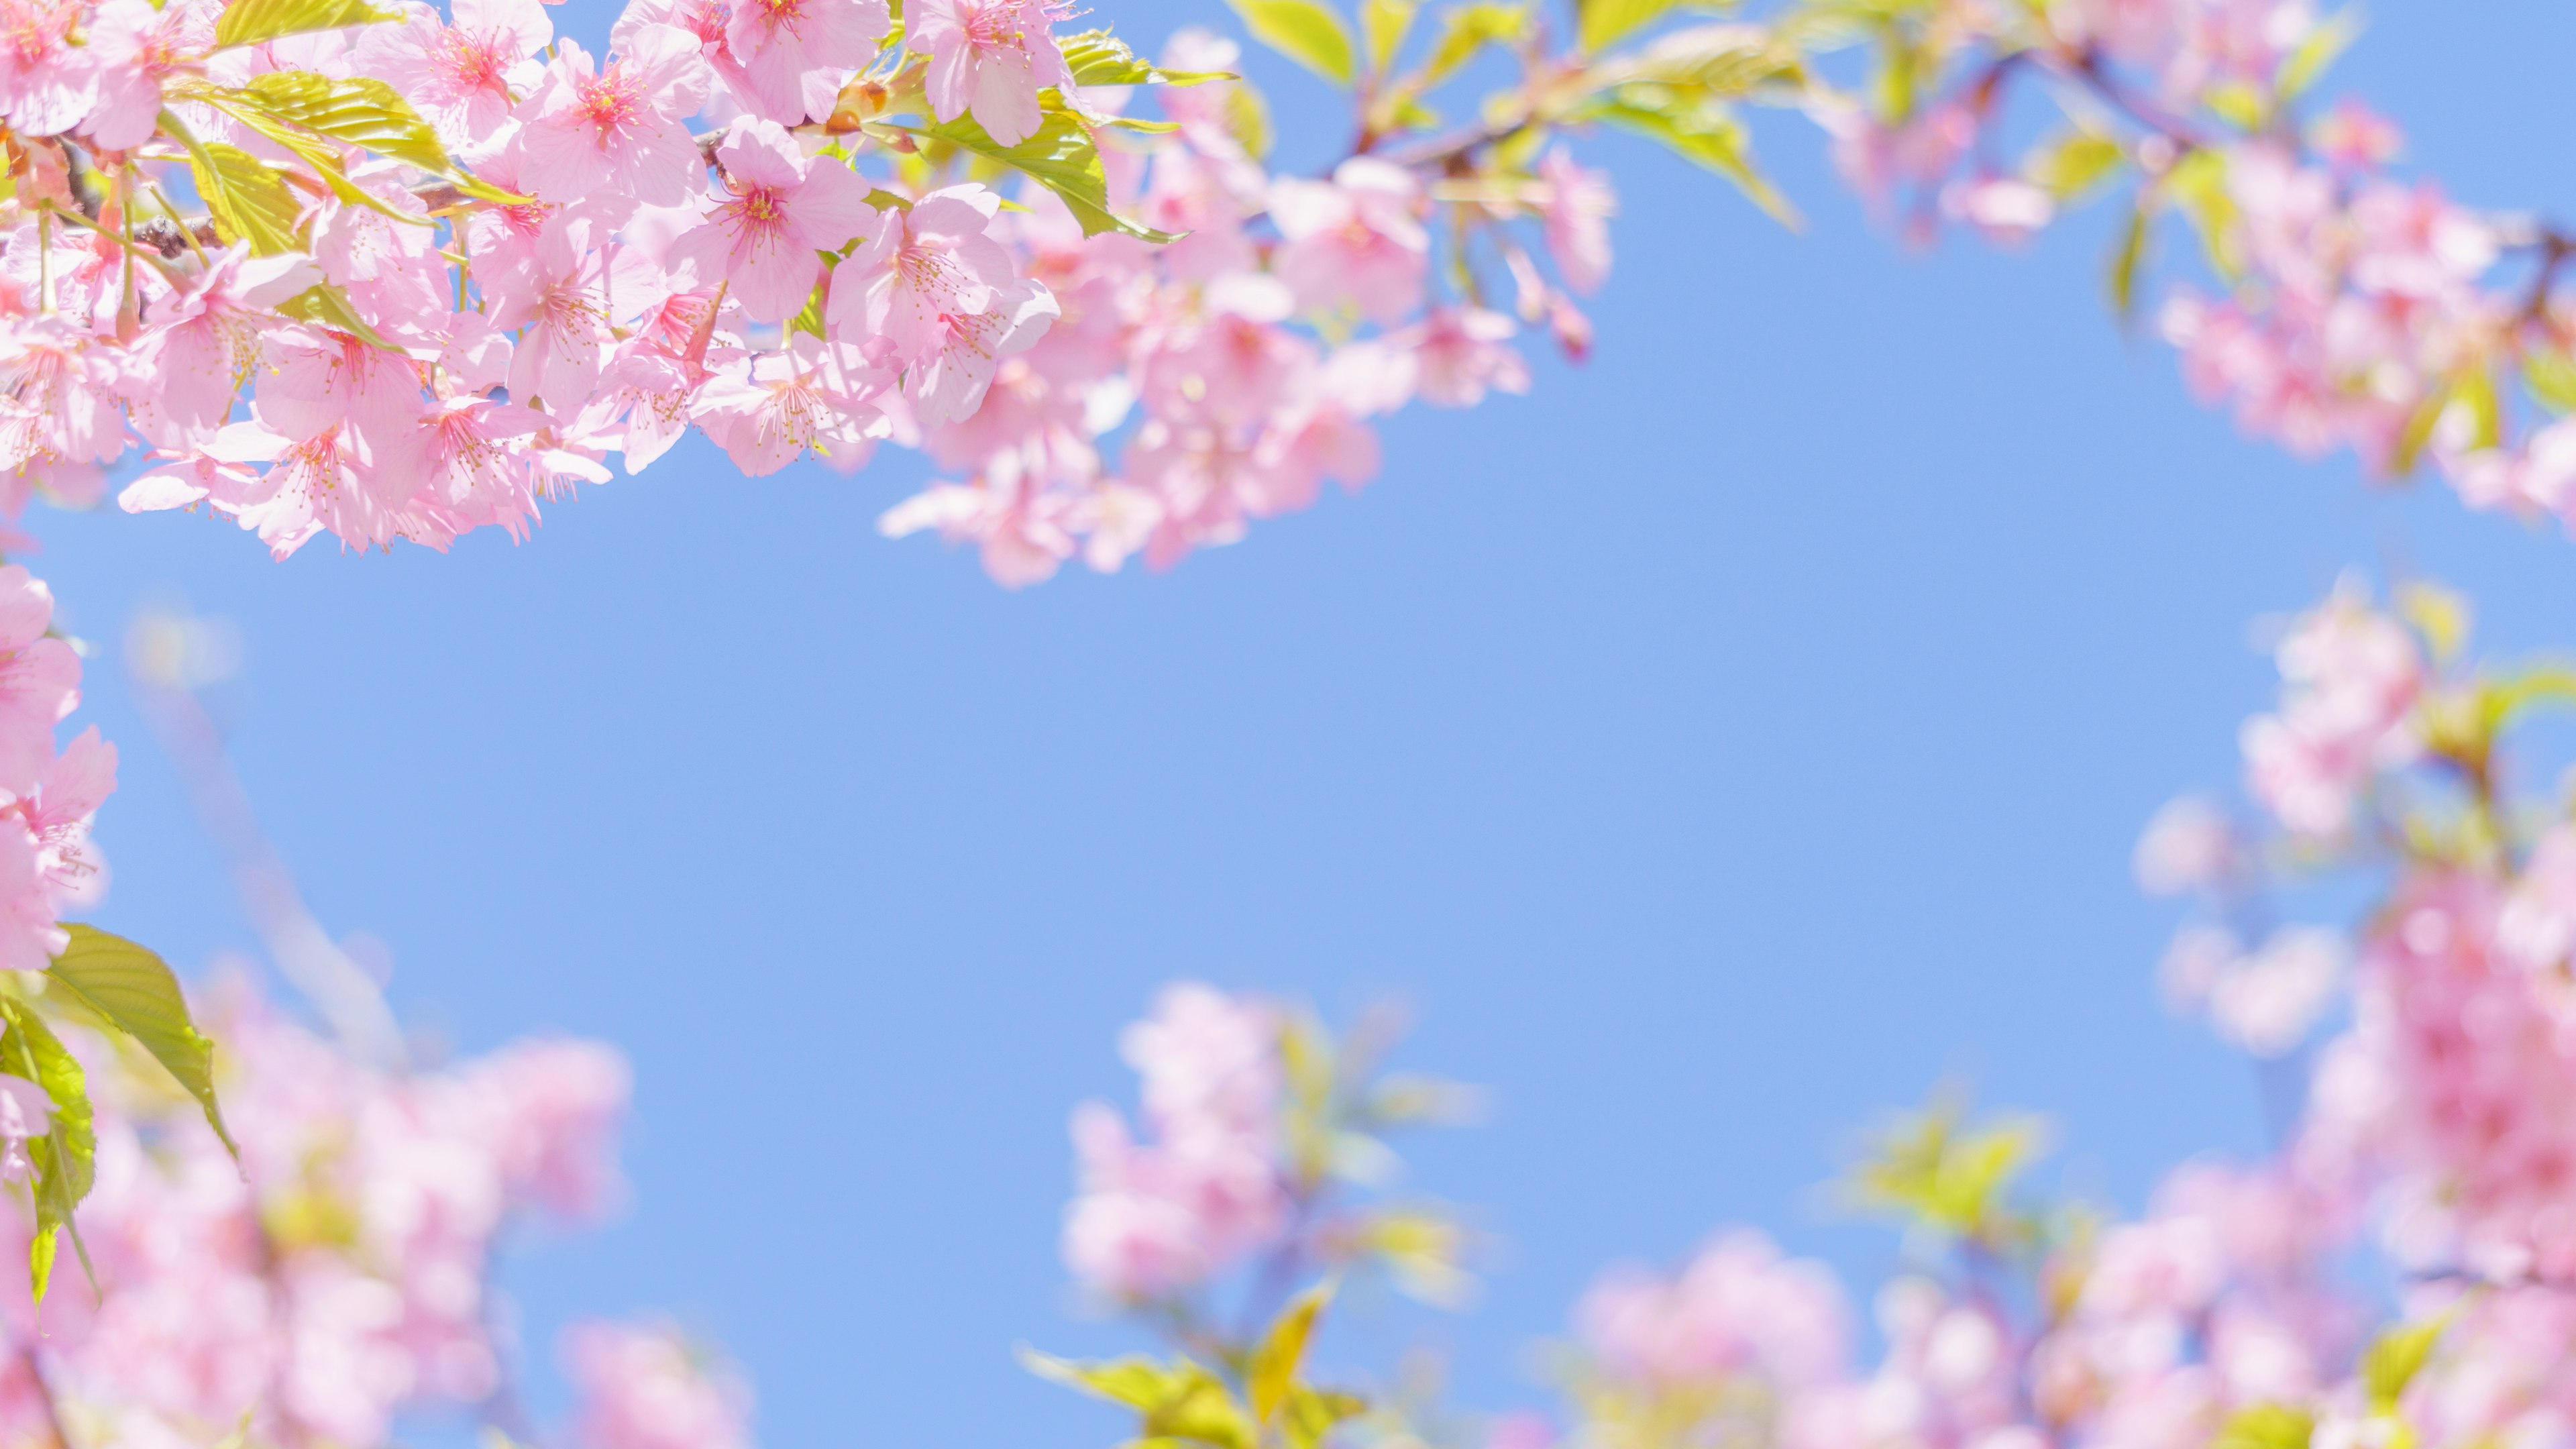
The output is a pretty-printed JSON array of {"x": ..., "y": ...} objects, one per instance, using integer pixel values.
[
  {"x": 449, "y": 262},
  {"x": 1257, "y": 1123},
  {"x": 339, "y": 1272},
  {"x": 48, "y": 795},
  {"x": 2343, "y": 306},
  {"x": 2401, "y": 1269}
]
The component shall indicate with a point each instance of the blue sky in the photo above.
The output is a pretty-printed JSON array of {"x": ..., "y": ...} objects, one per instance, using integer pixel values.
[{"x": 1720, "y": 745}]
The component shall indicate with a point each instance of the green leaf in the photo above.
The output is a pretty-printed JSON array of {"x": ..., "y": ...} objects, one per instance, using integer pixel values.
[
  {"x": 366, "y": 113},
  {"x": 248, "y": 199},
  {"x": 250, "y": 22},
  {"x": 1305, "y": 31},
  {"x": 2266, "y": 1426},
  {"x": 2239, "y": 104},
  {"x": 2440, "y": 615},
  {"x": 1283, "y": 1348},
  {"x": 65, "y": 1158},
  {"x": 1603, "y": 22},
  {"x": 1098, "y": 58},
  {"x": 809, "y": 318},
  {"x": 1700, "y": 131},
  {"x": 1470, "y": 28},
  {"x": 1385, "y": 23},
  {"x": 2551, "y": 377},
  {"x": 2395, "y": 1357},
  {"x": 1182, "y": 1401},
  {"x": 135, "y": 991},
  {"x": 2198, "y": 184},
  {"x": 1060, "y": 157},
  {"x": 327, "y": 306},
  {"x": 2125, "y": 262},
  {"x": 1310, "y": 1414},
  {"x": 2074, "y": 163},
  {"x": 320, "y": 152},
  {"x": 1717, "y": 62},
  {"x": 2317, "y": 51}
]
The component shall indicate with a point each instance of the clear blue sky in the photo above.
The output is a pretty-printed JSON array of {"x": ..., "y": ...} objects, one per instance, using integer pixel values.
[{"x": 1721, "y": 744}]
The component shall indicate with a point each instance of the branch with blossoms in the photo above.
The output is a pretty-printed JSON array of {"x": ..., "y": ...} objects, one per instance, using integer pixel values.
[
  {"x": 2399, "y": 1270},
  {"x": 321, "y": 1262},
  {"x": 326, "y": 267},
  {"x": 1262, "y": 1127}
]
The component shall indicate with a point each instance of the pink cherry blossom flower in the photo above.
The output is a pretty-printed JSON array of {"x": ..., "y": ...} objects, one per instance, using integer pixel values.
[
  {"x": 1356, "y": 240},
  {"x": 1577, "y": 213},
  {"x": 555, "y": 292},
  {"x": 458, "y": 75},
  {"x": 39, "y": 680},
  {"x": 58, "y": 813},
  {"x": 137, "y": 47},
  {"x": 950, "y": 383},
  {"x": 210, "y": 340},
  {"x": 991, "y": 58},
  {"x": 646, "y": 1387},
  {"x": 2189, "y": 845},
  {"x": 48, "y": 82},
  {"x": 780, "y": 208},
  {"x": 767, "y": 411},
  {"x": 930, "y": 261},
  {"x": 622, "y": 126},
  {"x": 1460, "y": 353},
  {"x": 795, "y": 54}
]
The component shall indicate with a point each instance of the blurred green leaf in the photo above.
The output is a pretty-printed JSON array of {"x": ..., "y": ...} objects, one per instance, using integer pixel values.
[
  {"x": 1306, "y": 31},
  {"x": 1282, "y": 1350},
  {"x": 1698, "y": 130},
  {"x": 2266, "y": 1426},
  {"x": 2125, "y": 261},
  {"x": 1603, "y": 23},
  {"x": 1385, "y": 24},
  {"x": 1466, "y": 29},
  {"x": 2394, "y": 1359},
  {"x": 2551, "y": 377},
  {"x": 2074, "y": 164},
  {"x": 2322, "y": 46},
  {"x": 1934, "y": 1168},
  {"x": 1182, "y": 1401}
]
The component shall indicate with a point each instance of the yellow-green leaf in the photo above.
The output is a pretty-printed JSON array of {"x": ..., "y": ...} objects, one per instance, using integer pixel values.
[
  {"x": 1385, "y": 23},
  {"x": 1306, "y": 31},
  {"x": 326, "y": 305},
  {"x": 1061, "y": 157},
  {"x": 2074, "y": 163},
  {"x": 2125, "y": 261},
  {"x": 65, "y": 1158},
  {"x": 1603, "y": 22},
  {"x": 2395, "y": 1357},
  {"x": 1282, "y": 1349},
  {"x": 248, "y": 199},
  {"x": 2551, "y": 377},
  {"x": 1697, "y": 130},
  {"x": 135, "y": 992},
  {"x": 1310, "y": 1414},
  {"x": 1467, "y": 29},
  {"x": 2317, "y": 51},
  {"x": 1183, "y": 1401},
  {"x": 2266, "y": 1426},
  {"x": 1098, "y": 58},
  {"x": 251, "y": 22}
]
